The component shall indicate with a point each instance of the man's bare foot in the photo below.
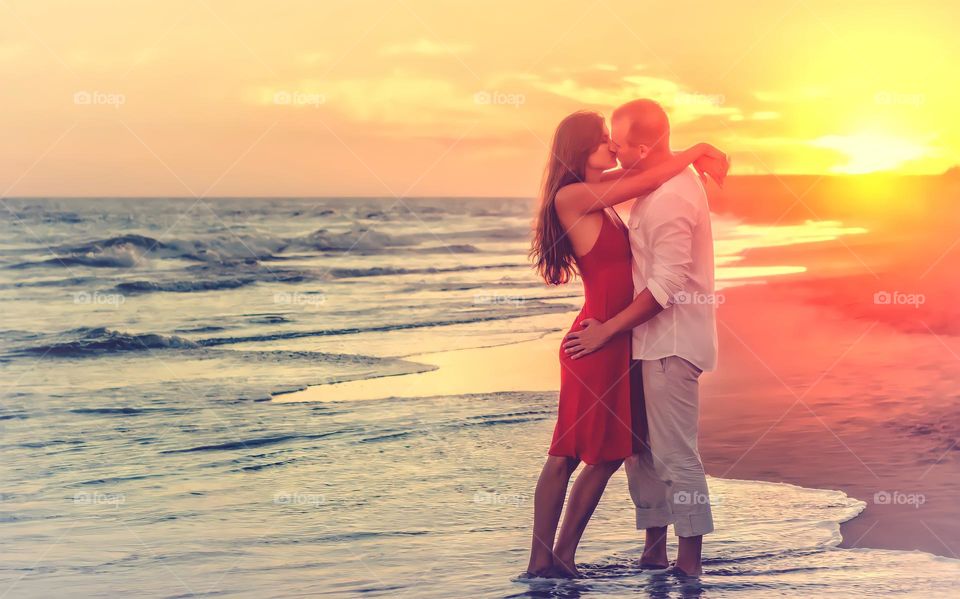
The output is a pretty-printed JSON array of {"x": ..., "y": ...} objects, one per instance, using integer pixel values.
[
  {"x": 654, "y": 560},
  {"x": 654, "y": 556},
  {"x": 682, "y": 572},
  {"x": 689, "y": 550}
]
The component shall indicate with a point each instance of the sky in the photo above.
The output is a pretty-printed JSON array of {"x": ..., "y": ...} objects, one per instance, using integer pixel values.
[{"x": 396, "y": 98}]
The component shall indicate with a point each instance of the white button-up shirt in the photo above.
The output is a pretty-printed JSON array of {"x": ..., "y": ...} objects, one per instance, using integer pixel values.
[{"x": 672, "y": 245}]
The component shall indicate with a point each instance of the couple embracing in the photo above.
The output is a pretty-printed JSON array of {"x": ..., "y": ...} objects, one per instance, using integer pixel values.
[{"x": 630, "y": 363}]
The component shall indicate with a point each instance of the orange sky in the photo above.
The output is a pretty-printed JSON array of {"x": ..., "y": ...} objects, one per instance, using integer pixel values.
[{"x": 416, "y": 97}]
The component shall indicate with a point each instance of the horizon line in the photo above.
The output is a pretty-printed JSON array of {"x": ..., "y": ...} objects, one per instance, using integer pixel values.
[{"x": 952, "y": 171}]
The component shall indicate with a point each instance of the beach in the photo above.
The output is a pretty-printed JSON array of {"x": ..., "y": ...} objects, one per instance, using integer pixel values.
[
  {"x": 274, "y": 323},
  {"x": 820, "y": 383},
  {"x": 343, "y": 396},
  {"x": 846, "y": 420}
]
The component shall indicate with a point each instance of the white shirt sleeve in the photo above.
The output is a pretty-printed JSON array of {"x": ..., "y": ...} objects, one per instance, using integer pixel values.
[{"x": 670, "y": 224}]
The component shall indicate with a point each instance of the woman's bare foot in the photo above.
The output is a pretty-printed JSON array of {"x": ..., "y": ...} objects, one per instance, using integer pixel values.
[
  {"x": 539, "y": 570},
  {"x": 557, "y": 570},
  {"x": 564, "y": 569}
]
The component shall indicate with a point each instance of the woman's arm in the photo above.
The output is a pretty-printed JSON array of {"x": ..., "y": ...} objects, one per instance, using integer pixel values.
[
  {"x": 596, "y": 334},
  {"x": 711, "y": 166},
  {"x": 582, "y": 198},
  {"x": 670, "y": 222},
  {"x": 613, "y": 174}
]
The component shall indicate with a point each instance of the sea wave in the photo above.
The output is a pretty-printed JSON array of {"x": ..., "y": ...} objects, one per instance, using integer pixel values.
[
  {"x": 91, "y": 341},
  {"x": 226, "y": 282},
  {"x": 131, "y": 240},
  {"x": 100, "y": 340},
  {"x": 131, "y": 250},
  {"x": 241, "y": 444},
  {"x": 356, "y": 239},
  {"x": 230, "y": 249},
  {"x": 532, "y": 308},
  {"x": 379, "y": 271},
  {"x": 114, "y": 256}
]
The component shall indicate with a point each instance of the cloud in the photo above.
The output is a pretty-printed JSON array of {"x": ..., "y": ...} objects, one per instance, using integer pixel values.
[
  {"x": 761, "y": 115},
  {"x": 314, "y": 58},
  {"x": 684, "y": 104},
  {"x": 400, "y": 102},
  {"x": 12, "y": 51},
  {"x": 806, "y": 94},
  {"x": 424, "y": 47},
  {"x": 868, "y": 152}
]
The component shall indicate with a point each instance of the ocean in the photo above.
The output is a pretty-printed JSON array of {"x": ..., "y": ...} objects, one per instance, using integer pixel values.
[{"x": 142, "y": 342}]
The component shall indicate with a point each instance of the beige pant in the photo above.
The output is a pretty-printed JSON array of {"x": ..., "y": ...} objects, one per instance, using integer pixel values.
[{"x": 666, "y": 479}]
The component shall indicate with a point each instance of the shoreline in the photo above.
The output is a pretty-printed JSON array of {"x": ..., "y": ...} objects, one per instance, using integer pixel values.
[
  {"x": 476, "y": 370},
  {"x": 767, "y": 445},
  {"x": 819, "y": 383},
  {"x": 773, "y": 419}
]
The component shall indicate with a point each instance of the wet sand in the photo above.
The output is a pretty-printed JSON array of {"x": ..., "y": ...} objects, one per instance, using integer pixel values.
[
  {"x": 845, "y": 376},
  {"x": 813, "y": 399}
]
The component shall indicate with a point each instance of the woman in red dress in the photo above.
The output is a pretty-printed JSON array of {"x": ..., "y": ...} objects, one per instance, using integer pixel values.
[{"x": 579, "y": 233}]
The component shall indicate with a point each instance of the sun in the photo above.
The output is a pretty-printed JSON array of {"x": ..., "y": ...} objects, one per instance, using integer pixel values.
[{"x": 870, "y": 152}]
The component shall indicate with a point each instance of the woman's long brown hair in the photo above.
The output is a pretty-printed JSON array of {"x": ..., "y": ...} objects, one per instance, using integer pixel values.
[{"x": 576, "y": 137}]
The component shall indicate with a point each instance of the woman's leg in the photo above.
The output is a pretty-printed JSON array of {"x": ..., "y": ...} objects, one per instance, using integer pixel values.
[
  {"x": 547, "y": 505},
  {"x": 584, "y": 498}
]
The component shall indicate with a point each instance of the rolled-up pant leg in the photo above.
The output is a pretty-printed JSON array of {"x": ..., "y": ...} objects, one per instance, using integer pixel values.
[
  {"x": 648, "y": 491},
  {"x": 667, "y": 481}
]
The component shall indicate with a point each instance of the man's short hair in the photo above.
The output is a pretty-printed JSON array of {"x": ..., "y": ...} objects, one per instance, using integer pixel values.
[{"x": 648, "y": 122}]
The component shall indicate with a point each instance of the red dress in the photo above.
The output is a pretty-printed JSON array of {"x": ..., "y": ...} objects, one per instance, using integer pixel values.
[{"x": 596, "y": 421}]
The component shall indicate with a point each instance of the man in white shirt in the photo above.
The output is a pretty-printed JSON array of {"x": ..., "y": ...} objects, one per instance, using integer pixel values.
[{"x": 674, "y": 337}]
